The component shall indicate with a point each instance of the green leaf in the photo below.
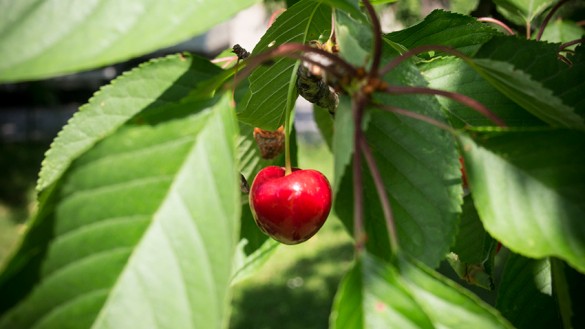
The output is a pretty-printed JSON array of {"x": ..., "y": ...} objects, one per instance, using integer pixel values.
[
  {"x": 458, "y": 31},
  {"x": 528, "y": 188},
  {"x": 343, "y": 141},
  {"x": 526, "y": 289},
  {"x": 265, "y": 104},
  {"x": 156, "y": 86},
  {"x": 375, "y": 294},
  {"x": 447, "y": 304},
  {"x": 562, "y": 30},
  {"x": 454, "y": 74},
  {"x": 472, "y": 256},
  {"x": 40, "y": 39},
  {"x": 530, "y": 73},
  {"x": 354, "y": 39},
  {"x": 420, "y": 169},
  {"x": 145, "y": 229},
  {"x": 372, "y": 295},
  {"x": 522, "y": 12},
  {"x": 325, "y": 125},
  {"x": 246, "y": 265}
]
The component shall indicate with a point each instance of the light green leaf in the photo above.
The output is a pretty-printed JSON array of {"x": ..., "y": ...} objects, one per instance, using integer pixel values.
[
  {"x": 562, "y": 30},
  {"x": 265, "y": 104},
  {"x": 528, "y": 188},
  {"x": 354, "y": 39},
  {"x": 375, "y": 294},
  {"x": 372, "y": 295},
  {"x": 40, "y": 39},
  {"x": 343, "y": 141},
  {"x": 522, "y": 12},
  {"x": 458, "y": 31},
  {"x": 447, "y": 304},
  {"x": 154, "y": 87},
  {"x": 145, "y": 229},
  {"x": 526, "y": 289}
]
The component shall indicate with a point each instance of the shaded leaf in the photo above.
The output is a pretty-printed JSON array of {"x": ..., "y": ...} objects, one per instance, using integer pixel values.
[
  {"x": 353, "y": 38},
  {"x": 472, "y": 256},
  {"x": 40, "y": 39},
  {"x": 153, "y": 87},
  {"x": 528, "y": 188},
  {"x": 526, "y": 289},
  {"x": 461, "y": 32},
  {"x": 530, "y": 73},
  {"x": 149, "y": 214},
  {"x": 271, "y": 86}
]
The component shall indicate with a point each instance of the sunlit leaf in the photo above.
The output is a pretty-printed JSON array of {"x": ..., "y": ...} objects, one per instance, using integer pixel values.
[
  {"x": 146, "y": 223},
  {"x": 40, "y": 39},
  {"x": 265, "y": 104},
  {"x": 522, "y": 12},
  {"x": 375, "y": 294},
  {"x": 153, "y": 87},
  {"x": 528, "y": 188}
]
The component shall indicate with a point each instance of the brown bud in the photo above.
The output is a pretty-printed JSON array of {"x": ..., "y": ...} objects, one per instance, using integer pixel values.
[{"x": 270, "y": 143}]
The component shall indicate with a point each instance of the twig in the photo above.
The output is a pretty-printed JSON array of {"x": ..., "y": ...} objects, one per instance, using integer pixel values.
[
  {"x": 548, "y": 17},
  {"x": 571, "y": 43},
  {"x": 379, "y": 184},
  {"x": 465, "y": 100},
  {"x": 377, "y": 37},
  {"x": 498, "y": 23}
]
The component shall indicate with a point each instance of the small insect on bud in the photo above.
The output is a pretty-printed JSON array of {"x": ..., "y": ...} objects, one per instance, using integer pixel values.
[
  {"x": 312, "y": 81},
  {"x": 270, "y": 143}
]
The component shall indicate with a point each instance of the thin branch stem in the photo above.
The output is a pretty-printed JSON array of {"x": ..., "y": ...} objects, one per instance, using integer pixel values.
[
  {"x": 358, "y": 104},
  {"x": 385, "y": 202},
  {"x": 528, "y": 28},
  {"x": 417, "y": 116},
  {"x": 548, "y": 17},
  {"x": 498, "y": 23},
  {"x": 571, "y": 43},
  {"x": 294, "y": 50},
  {"x": 377, "y": 36},
  {"x": 415, "y": 51},
  {"x": 465, "y": 100}
]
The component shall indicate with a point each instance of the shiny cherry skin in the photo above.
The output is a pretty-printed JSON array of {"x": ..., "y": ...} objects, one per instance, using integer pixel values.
[{"x": 290, "y": 208}]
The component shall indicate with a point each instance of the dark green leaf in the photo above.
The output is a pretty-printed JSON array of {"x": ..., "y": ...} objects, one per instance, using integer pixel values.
[
  {"x": 156, "y": 86},
  {"x": 39, "y": 39},
  {"x": 271, "y": 86},
  {"x": 525, "y": 290},
  {"x": 472, "y": 256},
  {"x": 531, "y": 74},
  {"x": 528, "y": 188},
  {"x": 461, "y": 32},
  {"x": 454, "y": 74},
  {"x": 149, "y": 214},
  {"x": 420, "y": 170}
]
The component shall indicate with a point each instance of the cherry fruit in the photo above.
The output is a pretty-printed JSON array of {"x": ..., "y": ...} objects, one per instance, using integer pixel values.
[{"x": 290, "y": 208}]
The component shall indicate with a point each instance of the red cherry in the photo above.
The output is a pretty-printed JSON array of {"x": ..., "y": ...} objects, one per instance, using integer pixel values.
[{"x": 290, "y": 208}]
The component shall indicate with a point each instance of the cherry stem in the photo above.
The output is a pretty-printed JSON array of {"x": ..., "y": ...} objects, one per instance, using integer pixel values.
[
  {"x": 377, "y": 33},
  {"x": 417, "y": 116},
  {"x": 379, "y": 184},
  {"x": 571, "y": 43},
  {"x": 548, "y": 17},
  {"x": 465, "y": 100},
  {"x": 359, "y": 102},
  {"x": 498, "y": 23},
  {"x": 417, "y": 50}
]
